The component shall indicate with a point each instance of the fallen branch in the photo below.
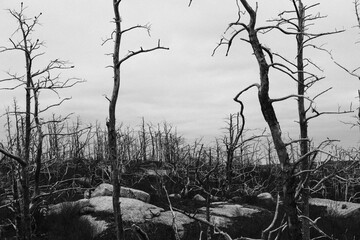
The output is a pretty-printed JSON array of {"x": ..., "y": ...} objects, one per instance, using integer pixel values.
[
  {"x": 216, "y": 229},
  {"x": 265, "y": 233},
  {"x": 177, "y": 237},
  {"x": 12, "y": 156}
]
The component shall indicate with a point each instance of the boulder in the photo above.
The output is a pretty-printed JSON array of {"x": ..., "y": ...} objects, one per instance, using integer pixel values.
[
  {"x": 98, "y": 226},
  {"x": 132, "y": 210},
  {"x": 338, "y": 219},
  {"x": 134, "y": 193},
  {"x": 81, "y": 207},
  {"x": 156, "y": 172},
  {"x": 265, "y": 196},
  {"x": 238, "y": 220},
  {"x": 199, "y": 198},
  {"x": 186, "y": 227},
  {"x": 70, "y": 220},
  {"x": 175, "y": 196},
  {"x": 156, "y": 222},
  {"x": 106, "y": 189},
  {"x": 266, "y": 200},
  {"x": 93, "y": 219},
  {"x": 96, "y": 215},
  {"x": 214, "y": 198}
]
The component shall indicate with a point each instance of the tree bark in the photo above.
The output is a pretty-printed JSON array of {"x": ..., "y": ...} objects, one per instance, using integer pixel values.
[
  {"x": 24, "y": 170},
  {"x": 289, "y": 181},
  {"x": 111, "y": 125},
  {"x": 304, "y": 145},
  {"x": 40, "y": 141}
]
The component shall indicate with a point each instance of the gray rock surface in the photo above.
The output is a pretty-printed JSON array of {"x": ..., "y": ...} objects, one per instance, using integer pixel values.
[
  {"x": 199, "y": 198},
  {"x": 137, "y": 212},
  {"x": 337, "y": 218},
  {"x": 106, "y": 189},
  {"x": 238, "y": 220},
  {"x": 132, "y": 210},
  {"x": 266, "y": 200},
  {"x": 235, "y": 219},
  {"x": 174, "y": 196},
  {"x": 337, "y": 208}
]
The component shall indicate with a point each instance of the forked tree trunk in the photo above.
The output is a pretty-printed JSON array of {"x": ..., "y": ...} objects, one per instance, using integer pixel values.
[{"x": 288, "y": 180}]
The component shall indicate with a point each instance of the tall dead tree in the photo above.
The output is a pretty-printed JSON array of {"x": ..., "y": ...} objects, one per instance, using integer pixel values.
[
  {"x": 34, "y": 81},
  {"x": 266, "y": 103},
  {"x": 354, "y": 72},
  {"x": 111, "y": 122},
  {"x": 296, "y": 26},
  {"x": 25, "y": 45},
  {"x": 234, "y": 140},
  {"x": 231, "y": 142},
  {"x": 289, "y": 182},
  {"x": 298, "y": 23}
]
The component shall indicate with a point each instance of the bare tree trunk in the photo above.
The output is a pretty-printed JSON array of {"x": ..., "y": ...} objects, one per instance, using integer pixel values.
[
  {"x": 229, "y": 172},
  {"x": 26, "y": 234},
  {"x": 231, "y": 141},
  {"x": 143, "y": 140},
  {"x": 111, "y": 125},
  {"x": 24, "y": 170},
  {"x": 40, "y": 141},
  {"x": 289, "y": 181},
  {"x": 304, "y": 144}
]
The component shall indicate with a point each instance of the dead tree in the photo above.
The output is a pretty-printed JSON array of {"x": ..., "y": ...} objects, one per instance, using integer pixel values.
[
  {"x": 111, "y": 122},
  {"x": 35, "y": 81},
  {"x": 24, "y": 228},
  {"x": 355, "y": 72},
  {"x": 231, "y": 142},
  {"x": 295, "y": 26},
  {"x": 271, "y": 119},
  {"x": 299, "y": 21},
  {"x": 143, "y": 140},
  {"x": 234, "y": 140}
]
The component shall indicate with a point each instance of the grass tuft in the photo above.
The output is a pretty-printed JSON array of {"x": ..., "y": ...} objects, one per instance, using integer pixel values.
[{"x": 66, "y": 224}]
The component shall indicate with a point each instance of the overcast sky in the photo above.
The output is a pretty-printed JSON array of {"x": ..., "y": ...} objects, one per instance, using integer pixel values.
[{"x": 185, "y": 86}]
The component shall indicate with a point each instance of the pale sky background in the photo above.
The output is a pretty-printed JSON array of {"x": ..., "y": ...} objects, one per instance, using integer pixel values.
[{"x": 185, "y": 86}]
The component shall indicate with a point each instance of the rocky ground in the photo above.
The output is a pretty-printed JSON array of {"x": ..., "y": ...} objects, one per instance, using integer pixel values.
[{"x": 92, "y": 218}]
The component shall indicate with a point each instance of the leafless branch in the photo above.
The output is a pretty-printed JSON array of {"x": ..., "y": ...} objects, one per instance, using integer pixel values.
[
  {"x": 54, "y": 105},
  {"x": 54, "y": 64},
  {"x": 356, "y": 5},
  {"x": 314, "y": 224},
  {"x": 272, "y": 224},
  {"x": 134, "y": 53},
  {"x": 317, "y": 114},
  {"x": 352, "y": 73},
  {"x": 177, "y": 237},
  {"x": 12, "y": 156},
  {"x": 244, "y": 90},
  {"x": 290, "y": 96},
  {"x": 147, "y": 27},
  {"x": 12, "y": 88},
  {"x": 297, "y": 140}
]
